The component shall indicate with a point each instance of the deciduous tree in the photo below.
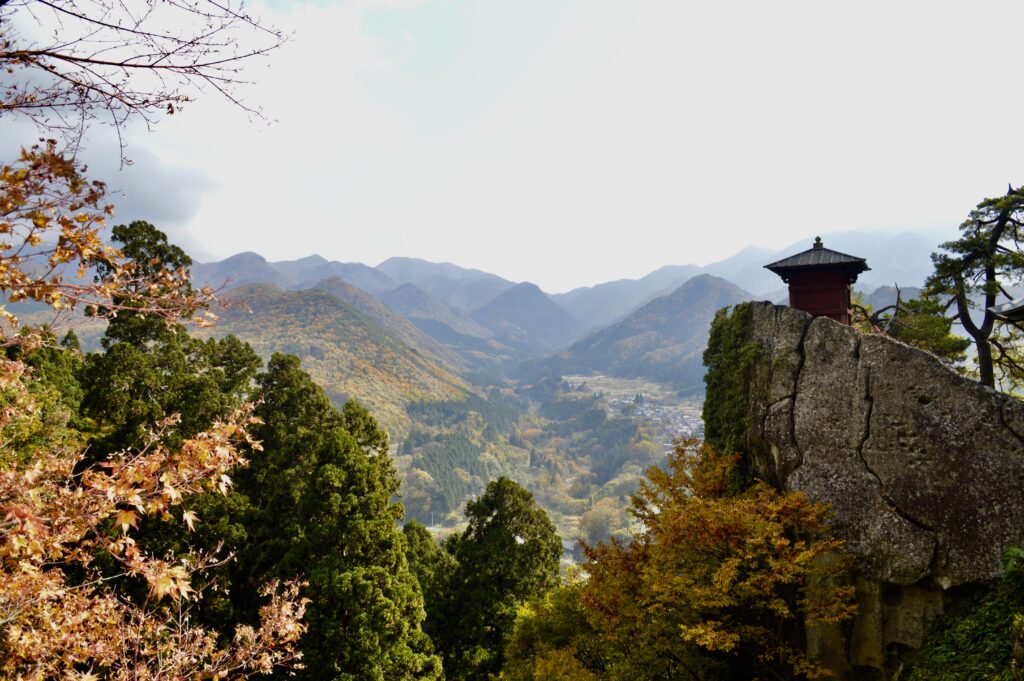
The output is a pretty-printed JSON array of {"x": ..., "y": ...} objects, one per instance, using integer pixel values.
[
  {"x": 67, "y": 63},
  {"x": 59, "y": 617},
  {"x": 553, "y": 638},
  {"x": 51, "y": 218},
  {"x": 716, "y": 576}
]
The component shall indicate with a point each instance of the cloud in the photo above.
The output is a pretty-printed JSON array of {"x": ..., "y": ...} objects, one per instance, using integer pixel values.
[
  {"x": 573, "y": 142},
  {"x": 168, "y": 196},
  {"x": 163, "y": 193}
]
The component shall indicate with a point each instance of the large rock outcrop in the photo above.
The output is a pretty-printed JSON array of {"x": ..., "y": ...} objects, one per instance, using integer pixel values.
[{"x": 924, "y": 470}]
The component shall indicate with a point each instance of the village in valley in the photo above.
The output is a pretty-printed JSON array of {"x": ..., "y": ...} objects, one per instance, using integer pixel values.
[{"x": 652, "y": 404}]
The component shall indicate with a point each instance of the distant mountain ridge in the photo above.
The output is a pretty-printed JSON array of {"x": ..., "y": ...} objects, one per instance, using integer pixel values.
[
  {"x": 901, "y": 258},
  {"x": 664, "y": 340},
  {"x": 253, "y": 268},
  {"x": 306, "y": 272},
  {"x": 526, "y": 316},
  {"x": 605, "y": 303},
  {"x": 492, "y": 322},
  {"x": 459, "y": 287},
  {"x": 240, "y": 269}
]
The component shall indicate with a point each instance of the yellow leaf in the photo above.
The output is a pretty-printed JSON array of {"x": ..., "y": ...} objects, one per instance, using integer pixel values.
[{"x": 126, "y": 519}]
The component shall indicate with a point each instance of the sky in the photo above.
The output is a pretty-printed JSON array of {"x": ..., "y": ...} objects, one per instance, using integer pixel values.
[{"x": 569, "y": 142}]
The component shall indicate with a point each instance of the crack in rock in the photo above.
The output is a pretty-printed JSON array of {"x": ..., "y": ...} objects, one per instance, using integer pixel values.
[
  {"x": 1006, "y": 422},
  {"x": 801, "y": 352},
  {"x": 869, "y": 401}
]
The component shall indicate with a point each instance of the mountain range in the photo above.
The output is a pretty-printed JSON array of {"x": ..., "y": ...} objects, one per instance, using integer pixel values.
[
  {"x": 901, "y": 258},
  {"x": 409, "y": 330}
]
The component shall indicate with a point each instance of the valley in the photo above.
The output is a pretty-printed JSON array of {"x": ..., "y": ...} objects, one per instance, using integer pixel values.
[
  {"x": 543, "y": 342},
  {"x": 573, "y": 395},
  {"x": 435, "y": 398},
  {"x": 474, "y": 376}
]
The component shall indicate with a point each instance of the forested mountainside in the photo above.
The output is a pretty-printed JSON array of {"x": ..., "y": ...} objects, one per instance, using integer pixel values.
[
  {"x": 391, "y": 321},
  {"x": 570, "y": 445},
  {"x": 347, "y": 352},
  {"x": 579, "y": 453},
  {"x": 663, "y": 340},
  {"x": 452, "y": 430}
]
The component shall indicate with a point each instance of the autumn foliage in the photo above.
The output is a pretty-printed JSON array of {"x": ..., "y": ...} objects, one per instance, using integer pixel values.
[
  {"x": 51, "y": 222},
  {"x": 717, "y": 584},
  {"x": 737, "y": 575},
  {"x": 68, "y": 527}
]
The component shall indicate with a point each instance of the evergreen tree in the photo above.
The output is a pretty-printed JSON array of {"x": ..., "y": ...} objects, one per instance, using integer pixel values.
[
  {"x": 508, "y": 554},
  {"x": 151, "y": 258},
  {"x": 129, "y": 387},
  {"x": 433, "y": 566},
  {"x": 59, "y": 366},
  {"x": 321, "y": 493},
  {"x": 127, "y": 390},
  {"x": 149, "y": 370},
  {"x": 922, "y": 324},
  {"x": 152, "y": 368},
  {"x": 981, "y": 266}
]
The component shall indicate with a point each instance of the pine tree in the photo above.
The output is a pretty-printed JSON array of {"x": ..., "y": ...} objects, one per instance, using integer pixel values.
[{"x": 981, "y": 266}]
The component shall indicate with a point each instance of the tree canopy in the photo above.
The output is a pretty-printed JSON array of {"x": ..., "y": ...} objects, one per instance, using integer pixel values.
[{"x": 718, "y": 584}]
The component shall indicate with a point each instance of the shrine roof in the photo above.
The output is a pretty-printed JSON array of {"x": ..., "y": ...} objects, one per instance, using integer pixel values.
[
  {"x": 818, "y": 257},
  {"x": 1012, "y": 311}
]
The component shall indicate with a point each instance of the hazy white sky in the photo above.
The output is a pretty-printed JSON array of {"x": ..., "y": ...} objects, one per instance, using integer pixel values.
[{"x": 568, "y": 142}]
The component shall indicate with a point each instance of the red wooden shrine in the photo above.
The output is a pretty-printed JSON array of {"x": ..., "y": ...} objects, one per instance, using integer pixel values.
[{"x": 820, "y": 279}]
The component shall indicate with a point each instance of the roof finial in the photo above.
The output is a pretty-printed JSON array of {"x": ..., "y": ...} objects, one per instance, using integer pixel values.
[{"x": 817, "y": 242}]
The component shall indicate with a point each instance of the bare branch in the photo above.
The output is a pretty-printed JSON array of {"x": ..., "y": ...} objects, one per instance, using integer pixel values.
[{"x": 114, "y": 60}]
